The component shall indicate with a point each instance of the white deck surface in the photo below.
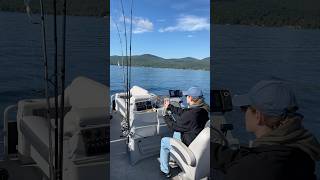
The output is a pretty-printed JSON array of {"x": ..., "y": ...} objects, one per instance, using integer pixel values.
[{"x": 120, "y": 168}]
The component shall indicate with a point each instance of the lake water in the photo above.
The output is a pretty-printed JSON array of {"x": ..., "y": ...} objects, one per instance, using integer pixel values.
[
  {"x": 21, "y": 70},
  {"x": 160, "y": 80}
]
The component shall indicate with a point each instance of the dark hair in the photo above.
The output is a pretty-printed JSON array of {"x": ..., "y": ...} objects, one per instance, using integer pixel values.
[
  {"x": 197, "y": 100},
  {"x": 274, "y": 122}
]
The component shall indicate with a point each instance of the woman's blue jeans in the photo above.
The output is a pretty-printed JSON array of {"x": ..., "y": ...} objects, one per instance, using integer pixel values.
[{"x": 165, "y": 150}]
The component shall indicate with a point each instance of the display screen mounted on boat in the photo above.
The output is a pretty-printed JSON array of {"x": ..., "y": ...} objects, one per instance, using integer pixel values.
[
  {"x": 175, "y": 93},
  {"x": 144, "y": 105},
  {"x": 221, "y": 100}
]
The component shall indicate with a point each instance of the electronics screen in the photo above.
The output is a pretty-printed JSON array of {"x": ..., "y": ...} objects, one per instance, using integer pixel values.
[
  {"x": 144, "y": 105},
  {"x": 221, "y": 101},
  {"x": 175, "y": 93}
]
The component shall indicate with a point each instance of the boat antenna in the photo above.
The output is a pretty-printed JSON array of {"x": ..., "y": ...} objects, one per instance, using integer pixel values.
[
  {"x": 62, "y": 85},
  {"x": 46, "y": 89}
]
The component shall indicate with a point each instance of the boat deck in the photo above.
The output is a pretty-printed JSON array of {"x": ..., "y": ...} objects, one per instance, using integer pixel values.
[
  {"x": 120, "y": 167},
  {"x": 18, "y": 171}
]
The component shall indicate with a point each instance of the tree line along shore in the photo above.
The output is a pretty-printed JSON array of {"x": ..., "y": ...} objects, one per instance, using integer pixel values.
[{"x": 148, "y": 60}]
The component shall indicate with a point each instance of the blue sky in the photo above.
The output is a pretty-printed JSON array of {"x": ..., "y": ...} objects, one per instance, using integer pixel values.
[{"x": 166, "y": 28}]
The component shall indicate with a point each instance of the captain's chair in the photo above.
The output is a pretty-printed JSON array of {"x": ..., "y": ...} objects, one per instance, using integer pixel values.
[{"x": 193, "y": 160}]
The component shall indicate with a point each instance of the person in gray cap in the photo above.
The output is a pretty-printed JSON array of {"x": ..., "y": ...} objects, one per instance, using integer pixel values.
[
  {"x": 188, "y": 123},
  {"x": 283, "y": 148}
]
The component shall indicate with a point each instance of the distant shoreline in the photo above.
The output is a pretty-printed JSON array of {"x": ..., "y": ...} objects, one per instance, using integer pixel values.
[
  {"x": 149, "y": 60},
  {"x": 267, "y": 13},
  {"x": 272, "y": 26},
  {"x": 166, "y": 67}
]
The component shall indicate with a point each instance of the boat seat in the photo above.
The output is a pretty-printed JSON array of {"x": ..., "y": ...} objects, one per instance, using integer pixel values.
[
  {"x": 193, "y": 160},
  {"x": 88, "y": 100},
  {"x": 138, "y": 91},
  {"x": 85, "y": 93},
  {"x": 35, "y": 133},
  {"x": 78, "y": 118}
]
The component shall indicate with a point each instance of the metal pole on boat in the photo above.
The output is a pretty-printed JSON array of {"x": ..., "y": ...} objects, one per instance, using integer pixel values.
[
  {"x": 46, "y": 78},
  {"x": 63, "y": 63},
  {"x": 56, "y": 133},
  {"x": 129, "y": 73}
]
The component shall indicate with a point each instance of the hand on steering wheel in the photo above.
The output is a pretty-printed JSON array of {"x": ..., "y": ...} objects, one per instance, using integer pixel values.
[
  {"x": 166, "y": 103},
  {"x": 218, "y": 137}
]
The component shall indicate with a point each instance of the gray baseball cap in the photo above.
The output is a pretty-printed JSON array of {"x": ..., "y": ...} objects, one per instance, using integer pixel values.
[
  {"x": 193, "y": 91},
  {"x": 271, "y": 97}
]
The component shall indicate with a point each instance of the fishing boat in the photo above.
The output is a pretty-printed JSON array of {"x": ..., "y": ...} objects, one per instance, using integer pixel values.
[
  {"x": 137, "y": 126},
  {"x": 135, "y": 142}
]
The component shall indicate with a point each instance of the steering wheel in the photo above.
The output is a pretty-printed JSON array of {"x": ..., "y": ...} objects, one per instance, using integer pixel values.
[
  {"x": 176, "y": 104},
  {"x": 217, "y": 136}
]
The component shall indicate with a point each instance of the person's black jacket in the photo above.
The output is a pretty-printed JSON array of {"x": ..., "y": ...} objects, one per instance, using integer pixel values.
[
  {"x": 189, "y": 122},
  {"x": 270, "y": 162}
]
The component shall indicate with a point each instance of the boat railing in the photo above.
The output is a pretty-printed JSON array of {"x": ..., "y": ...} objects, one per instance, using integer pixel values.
[{"x": 5, "y": 129}]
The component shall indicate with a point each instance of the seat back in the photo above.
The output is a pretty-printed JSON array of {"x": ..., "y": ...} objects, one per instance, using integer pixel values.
[
  {"x": 77, "y": 118},
  {"x": 138, "y": 91},
  {"x": 88, "y": 100},
  {"x": 84, "y": 93},
  {"x": 200, "y": 147}
]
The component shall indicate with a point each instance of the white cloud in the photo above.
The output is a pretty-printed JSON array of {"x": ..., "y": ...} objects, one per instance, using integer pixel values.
[
  {"x": 113, "y": 24},
  {"x": 139, "y": 24},
  {"x": 188, "y": 23}
]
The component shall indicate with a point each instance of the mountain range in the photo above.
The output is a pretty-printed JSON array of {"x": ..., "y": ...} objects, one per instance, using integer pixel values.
[{"x": 149, "y": 60}]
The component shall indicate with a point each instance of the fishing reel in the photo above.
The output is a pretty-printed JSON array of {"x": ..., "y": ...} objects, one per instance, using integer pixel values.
[{"x": 124, "y": 127}]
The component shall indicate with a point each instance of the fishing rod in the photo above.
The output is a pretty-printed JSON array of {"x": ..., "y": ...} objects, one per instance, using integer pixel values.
[
  {"x": 56, "y": 91},
  {"x": 127, "y": 70},
  {"x": 46, "y": 80},
  {"x": 129, "y": 75},
  {"x": 120, "y": 39},
  {"x": 56, "y": 170},
  {"x": 46, "y": 76},
  {"x": 62, "y": 73}
]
